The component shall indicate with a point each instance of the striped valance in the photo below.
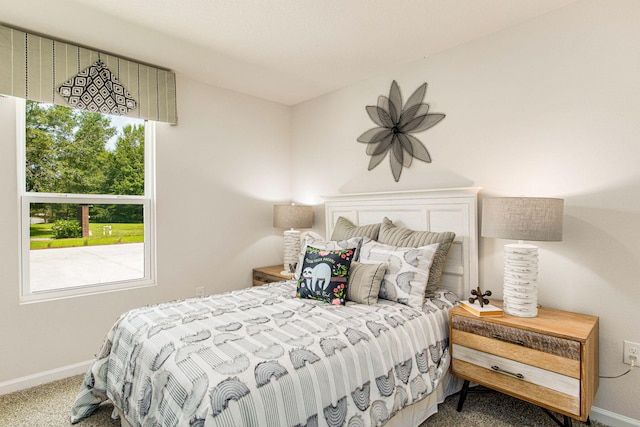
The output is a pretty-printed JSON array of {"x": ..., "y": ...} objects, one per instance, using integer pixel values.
[{"x": 34, "y": 67}]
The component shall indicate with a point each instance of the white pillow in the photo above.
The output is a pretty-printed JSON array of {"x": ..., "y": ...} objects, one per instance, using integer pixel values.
[{"x": 405, "y": 280}]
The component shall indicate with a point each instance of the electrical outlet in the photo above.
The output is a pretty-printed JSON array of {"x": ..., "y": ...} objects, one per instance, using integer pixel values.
[
  {"x": 631, "y": 349},
  {"x": 200, "y": 291}
]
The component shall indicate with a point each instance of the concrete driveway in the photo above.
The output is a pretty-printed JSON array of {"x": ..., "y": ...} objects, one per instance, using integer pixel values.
[{"x": 79, "y": 266}]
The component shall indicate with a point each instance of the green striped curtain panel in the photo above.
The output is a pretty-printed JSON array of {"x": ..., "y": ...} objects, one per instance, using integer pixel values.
[{"x": 34, "y": 67}]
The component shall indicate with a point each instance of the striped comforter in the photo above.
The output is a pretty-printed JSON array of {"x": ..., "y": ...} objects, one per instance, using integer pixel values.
[{"x": 261, "y": 357}]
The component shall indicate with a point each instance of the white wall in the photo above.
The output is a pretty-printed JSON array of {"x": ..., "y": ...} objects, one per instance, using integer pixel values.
[
  {"x": 218, "y": 175},
  {"x": 548, "y": 108}
]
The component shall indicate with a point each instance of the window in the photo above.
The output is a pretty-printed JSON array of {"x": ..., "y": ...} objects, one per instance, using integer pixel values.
[{"x": 86, "y": 196}]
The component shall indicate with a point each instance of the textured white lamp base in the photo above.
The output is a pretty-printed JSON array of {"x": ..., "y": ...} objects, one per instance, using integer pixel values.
[
  {"x": 291, "y": 251},
  {"x": 520, "y": 292}
]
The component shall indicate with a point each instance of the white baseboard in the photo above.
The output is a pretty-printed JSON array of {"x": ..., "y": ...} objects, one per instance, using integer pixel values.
[
  {"x": 612, "y": 419},
  {"x": 44, "y": 377}
]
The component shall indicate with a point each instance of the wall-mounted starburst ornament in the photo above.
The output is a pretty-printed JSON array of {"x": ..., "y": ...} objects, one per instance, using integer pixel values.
[{"x": 395, "y": 124}]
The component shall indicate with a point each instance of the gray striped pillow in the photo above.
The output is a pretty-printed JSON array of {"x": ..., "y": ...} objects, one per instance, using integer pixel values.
[
  {"x": 391, "y": 234},
  {"x": 345, "y": 229},
  {"x": 364, "y": 282}
]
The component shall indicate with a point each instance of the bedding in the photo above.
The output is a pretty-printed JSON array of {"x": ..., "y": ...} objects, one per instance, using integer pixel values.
[{"x": 262, "y": 357}]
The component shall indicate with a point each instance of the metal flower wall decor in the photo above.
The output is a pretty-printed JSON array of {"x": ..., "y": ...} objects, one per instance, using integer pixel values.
[{"x": 396, "y": 123}]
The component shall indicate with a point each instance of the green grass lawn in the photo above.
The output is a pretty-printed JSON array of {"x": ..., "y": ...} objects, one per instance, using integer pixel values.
[{"x": 120, "y": 233}]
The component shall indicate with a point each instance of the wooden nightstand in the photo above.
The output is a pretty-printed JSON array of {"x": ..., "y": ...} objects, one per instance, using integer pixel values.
[
  {"x": 550, "y": 360},
  {"x": 270, "y": 274}
]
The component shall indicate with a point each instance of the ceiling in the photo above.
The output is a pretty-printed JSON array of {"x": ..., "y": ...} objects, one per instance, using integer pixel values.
[{"x": 286, "y": 51}]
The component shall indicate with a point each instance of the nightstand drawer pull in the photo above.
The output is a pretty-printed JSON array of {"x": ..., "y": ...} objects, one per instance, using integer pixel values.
[
  {"x": 512, "y": 341},
  {"x": 497, "y": 369}
]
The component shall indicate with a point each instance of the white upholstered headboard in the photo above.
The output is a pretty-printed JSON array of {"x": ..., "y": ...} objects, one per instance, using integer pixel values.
[{"x": 453, "y": 209}]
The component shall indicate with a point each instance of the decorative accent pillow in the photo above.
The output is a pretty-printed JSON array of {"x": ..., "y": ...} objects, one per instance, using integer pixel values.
[
  {"x": 406, "y": 278},
  {"x": 354, "y": 243},
  {"x": 345, "y": 229},
  {"x": 325, "y": 275},
  {"x": 364, "y": 282},
  {"x": 391, "y": 234}
]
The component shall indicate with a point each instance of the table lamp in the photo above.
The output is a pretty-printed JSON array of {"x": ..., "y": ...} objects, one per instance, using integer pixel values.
[
  {"x": 292, "y": 217},
  {"x": 522, "y": 218}
]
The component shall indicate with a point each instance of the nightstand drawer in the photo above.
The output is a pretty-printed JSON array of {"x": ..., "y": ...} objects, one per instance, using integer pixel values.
[
  {"x": 263, "y": 275},
  {"x": 260, "y": 278},
  {"x": 542, "y": 396},
  {"x": 540, "y": 359},
  {"x": 521, "y": 371},
  {"x": 549, "y": 344}
]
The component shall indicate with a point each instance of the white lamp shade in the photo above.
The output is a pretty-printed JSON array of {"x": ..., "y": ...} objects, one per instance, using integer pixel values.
[
  {"x": 523, "y": 218},
  {"x": 292, "y": 216}
]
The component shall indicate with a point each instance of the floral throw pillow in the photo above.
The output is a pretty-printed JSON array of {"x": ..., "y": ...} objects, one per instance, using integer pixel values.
[
  {"x": 325, "y": 275},
  {"x": 319, "y": 243}
]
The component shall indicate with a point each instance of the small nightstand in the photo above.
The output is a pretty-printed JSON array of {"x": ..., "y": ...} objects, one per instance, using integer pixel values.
[
  {"x": 550, "y": 360},
  {"x": 270, "y": 274}
]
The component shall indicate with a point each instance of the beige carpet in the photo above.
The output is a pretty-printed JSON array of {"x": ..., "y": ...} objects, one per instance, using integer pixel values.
[{"x": 49, "y": 405}]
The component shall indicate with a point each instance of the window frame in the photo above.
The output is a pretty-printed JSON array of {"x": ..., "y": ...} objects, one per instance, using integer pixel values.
[{"x": 147, "y": 200}]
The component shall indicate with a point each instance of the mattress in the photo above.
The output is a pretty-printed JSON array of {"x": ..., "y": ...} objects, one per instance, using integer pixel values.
[{"x": 262, "y": 357}]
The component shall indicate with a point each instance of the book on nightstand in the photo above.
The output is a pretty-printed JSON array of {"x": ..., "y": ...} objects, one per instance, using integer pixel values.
[{"x": 487, "y": 310}]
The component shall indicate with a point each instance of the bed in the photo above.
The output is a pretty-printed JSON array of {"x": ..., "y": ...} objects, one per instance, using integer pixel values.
[{"x": 264, "y": 356}]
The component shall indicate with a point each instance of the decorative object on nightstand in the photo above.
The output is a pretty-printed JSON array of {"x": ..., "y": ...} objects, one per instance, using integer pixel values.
[
  {"x": 550, "y": 360},
  {"x": 479, "y": 296},
  {"x": 479, "y": 305},
  {"x": 291, "y": 217},
  {"x": 522, "y": 218}
]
